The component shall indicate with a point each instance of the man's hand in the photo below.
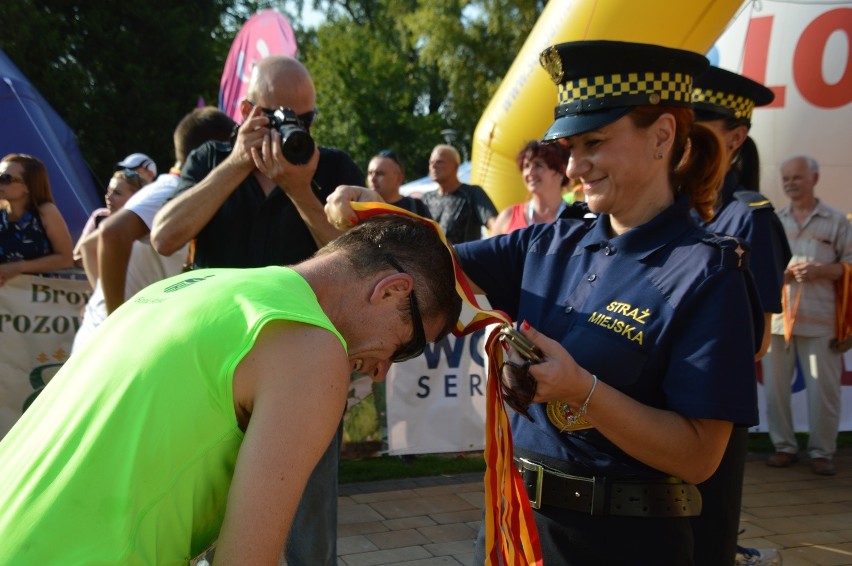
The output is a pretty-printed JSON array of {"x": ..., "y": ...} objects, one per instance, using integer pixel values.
[
  {"x": 338, "y": 207},
  {"x": 250, "y": 136},
  {"x": 294, "y": 180}
]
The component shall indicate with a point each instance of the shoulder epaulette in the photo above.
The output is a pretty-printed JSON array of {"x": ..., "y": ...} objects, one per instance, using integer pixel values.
[
  {"x": 753, "y": 200},
  {"x": 735, "y": 251}
]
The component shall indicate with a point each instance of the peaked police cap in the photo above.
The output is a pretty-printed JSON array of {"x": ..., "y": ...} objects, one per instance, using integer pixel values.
[
  {"x": 598, "y": 82},
  {"x": 719, "y": 93}
]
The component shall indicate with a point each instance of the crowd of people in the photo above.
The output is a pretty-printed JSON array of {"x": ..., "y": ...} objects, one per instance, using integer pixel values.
[{"x": 174, "y": 423}]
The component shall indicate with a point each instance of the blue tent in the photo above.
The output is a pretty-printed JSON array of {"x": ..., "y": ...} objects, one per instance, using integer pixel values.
[{"x": 30, "y": 125}]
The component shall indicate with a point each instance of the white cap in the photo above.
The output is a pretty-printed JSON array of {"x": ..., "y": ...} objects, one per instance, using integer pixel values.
[{"x": 135, "y": 160}]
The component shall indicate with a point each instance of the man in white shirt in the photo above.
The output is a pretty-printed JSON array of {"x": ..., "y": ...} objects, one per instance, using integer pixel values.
[{"x": 126, "y": 260}]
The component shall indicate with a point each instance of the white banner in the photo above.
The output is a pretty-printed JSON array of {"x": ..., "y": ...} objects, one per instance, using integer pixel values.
[
  {"x": 38, "y": 319},
  {"x": 799, "y": 400},
  {"x": 436, "y": 402},
  {"x": 800, "y": 50}
]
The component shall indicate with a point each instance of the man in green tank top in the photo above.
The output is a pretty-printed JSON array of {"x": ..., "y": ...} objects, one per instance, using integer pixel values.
[{"x": 201, "y": 406}]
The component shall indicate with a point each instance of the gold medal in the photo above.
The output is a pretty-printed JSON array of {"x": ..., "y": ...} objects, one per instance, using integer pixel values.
[{"x": 561, "y": 416}]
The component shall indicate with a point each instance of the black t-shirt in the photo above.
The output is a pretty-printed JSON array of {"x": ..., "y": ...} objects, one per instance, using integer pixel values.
[
  {"x": 251, "y": 229},
  {"x": 414, "y": 205}
]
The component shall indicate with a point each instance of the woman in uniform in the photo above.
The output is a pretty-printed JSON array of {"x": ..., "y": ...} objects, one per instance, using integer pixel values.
[
  {"x": 724, "y": 101},
  {"x": 645, "y": 320}
]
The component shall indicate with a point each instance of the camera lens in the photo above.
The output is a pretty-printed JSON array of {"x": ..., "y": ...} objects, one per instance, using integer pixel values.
[{"x": 296, "y": 144}]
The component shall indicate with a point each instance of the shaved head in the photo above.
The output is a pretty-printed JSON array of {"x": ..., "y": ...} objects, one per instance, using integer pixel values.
[{"x": 279, "y": 80}]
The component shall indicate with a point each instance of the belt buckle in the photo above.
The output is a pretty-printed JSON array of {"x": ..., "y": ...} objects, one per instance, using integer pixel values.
[{"x": 539, "y": 477}]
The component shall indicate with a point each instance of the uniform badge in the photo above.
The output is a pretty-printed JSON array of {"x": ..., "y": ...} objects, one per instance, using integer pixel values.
[
  {"x": 558, "y": 413},
  {"x": 552, "y": 63}
]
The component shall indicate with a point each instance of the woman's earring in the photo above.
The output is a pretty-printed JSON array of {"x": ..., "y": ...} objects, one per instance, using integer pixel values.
[{"x": 659, "y": 155}]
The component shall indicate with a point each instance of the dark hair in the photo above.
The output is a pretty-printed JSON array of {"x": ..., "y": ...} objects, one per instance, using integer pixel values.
[
  {"x": 417, "y": 248},
  {"x": 199, "y": 126},
  {"x": 746, "y": 161},
  {"x": 35, "y": 178},
  {"x": 554, "y": 155},
  {"x": 696, "y": 161}
]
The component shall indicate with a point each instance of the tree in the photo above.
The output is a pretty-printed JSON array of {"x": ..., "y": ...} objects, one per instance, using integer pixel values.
[
  {"x": 394, "y": 73},
  {"x": 121, "y": 74}
]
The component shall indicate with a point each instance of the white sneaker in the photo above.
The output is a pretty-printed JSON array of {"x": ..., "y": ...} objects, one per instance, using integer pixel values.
[{"x": 758, "y": 557}]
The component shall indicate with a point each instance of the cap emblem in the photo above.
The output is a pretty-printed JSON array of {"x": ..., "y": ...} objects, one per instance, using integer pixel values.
[{"x": 552, "y": 63}]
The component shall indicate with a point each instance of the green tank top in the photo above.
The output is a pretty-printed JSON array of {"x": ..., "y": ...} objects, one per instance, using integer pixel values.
[{"x": 127, "y": 455}]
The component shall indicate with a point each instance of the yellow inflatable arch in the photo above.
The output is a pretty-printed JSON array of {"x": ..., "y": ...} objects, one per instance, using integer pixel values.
[{"x": 522, "y": 108}]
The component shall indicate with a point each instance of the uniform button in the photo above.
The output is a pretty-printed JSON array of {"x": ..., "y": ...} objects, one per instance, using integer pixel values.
[
  {"x": 569, "y": 309},
  {"x": 592, "y": 277},
  {"x": 608, "y": 250}
]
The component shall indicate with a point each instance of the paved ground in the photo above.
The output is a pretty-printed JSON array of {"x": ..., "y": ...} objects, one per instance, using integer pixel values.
[{"x": 432, "y": 521}]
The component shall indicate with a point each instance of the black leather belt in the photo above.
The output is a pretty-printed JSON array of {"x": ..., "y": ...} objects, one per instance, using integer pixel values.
[{"x": 602, "y": 496}]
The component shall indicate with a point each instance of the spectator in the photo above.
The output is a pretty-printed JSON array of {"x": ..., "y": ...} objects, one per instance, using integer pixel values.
[
  {"x": 460, "y": 209},
  {"x": 140, "y": 163},
  {"x": 126, "y": 261},
  {"x": 385, "y": 174},
  {"x": 246, "y": 206},
  {"x": 123, "y": 184},
  {"x": 543, "y": 169},
  {"x": 143, "y": 451},
  {"x": 821, "y": 241},
  {"x": 724, "y": 102},
  {"x": 33, "y": 235}
]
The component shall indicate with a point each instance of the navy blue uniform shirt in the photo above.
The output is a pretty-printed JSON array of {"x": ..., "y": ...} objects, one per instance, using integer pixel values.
[
  {"x": 662, "y": 313},
  {"x": 751, "y": 216}
]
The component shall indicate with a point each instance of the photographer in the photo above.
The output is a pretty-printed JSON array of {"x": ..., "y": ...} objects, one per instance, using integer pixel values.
[{"x": 246, "y": 205}]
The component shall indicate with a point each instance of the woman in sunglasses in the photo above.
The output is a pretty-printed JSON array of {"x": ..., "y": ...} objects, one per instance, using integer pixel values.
[
  {"x": 646, "y": 324},
  {"x": 34, "y": 237},
  {"x": 543, "y": 168}
]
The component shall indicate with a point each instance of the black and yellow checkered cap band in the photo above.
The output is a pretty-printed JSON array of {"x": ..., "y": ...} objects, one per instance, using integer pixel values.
[
  {"x": 588, "y": 94},
  {"x": 737, "y": 106}
]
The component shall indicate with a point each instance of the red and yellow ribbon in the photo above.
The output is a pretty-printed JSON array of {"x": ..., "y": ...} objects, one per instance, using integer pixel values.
[{"x": 511, "y": 536}]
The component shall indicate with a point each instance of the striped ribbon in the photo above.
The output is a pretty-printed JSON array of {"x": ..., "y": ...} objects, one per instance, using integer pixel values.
[{"x": 511, "y": 537}]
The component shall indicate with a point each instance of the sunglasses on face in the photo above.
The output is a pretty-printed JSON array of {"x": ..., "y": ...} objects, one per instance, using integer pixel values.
[
  {"x": 418, "y": 342},
  {"x": 8, "y": 179}
]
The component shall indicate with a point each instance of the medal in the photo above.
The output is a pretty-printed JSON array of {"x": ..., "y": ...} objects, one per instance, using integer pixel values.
[{"x": 561, "y": 416}]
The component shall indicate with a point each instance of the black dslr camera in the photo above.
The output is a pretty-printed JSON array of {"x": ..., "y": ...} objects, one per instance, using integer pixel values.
[{"x": 296, "y": 143}]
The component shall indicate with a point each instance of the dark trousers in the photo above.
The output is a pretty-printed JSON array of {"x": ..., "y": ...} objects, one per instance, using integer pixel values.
[
  {"x": 715, "y": 530},
  {"x": 569, "y": 538}
]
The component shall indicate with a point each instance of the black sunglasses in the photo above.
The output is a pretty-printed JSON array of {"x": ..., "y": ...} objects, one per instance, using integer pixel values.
[
  {"x": 418, "y": 343},
  {"x": 8, "y": 179},
  {"x": 307, "y": 118}
]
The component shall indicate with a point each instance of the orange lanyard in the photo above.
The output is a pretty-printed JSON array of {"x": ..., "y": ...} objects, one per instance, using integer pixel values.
[
  {"x": 511, "y": 536},
  {"x": 790, "y": 314}
]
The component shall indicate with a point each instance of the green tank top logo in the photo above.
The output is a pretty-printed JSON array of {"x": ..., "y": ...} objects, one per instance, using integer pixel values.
[{"x": 185, "y": 283}]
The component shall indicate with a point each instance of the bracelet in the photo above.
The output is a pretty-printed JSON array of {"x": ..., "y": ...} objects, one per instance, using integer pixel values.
[{"x": 575, "y": 417}]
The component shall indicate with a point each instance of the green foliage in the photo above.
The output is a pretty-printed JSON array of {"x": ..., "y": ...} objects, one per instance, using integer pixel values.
[
  {"x": 389, "y": 73},
  {"x": 121, "y": 74},
  {"x": 394, "y": 73}
]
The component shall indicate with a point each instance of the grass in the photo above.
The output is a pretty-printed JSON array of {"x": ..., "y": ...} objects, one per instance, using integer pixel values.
[{"x": 394, "y": 467}]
